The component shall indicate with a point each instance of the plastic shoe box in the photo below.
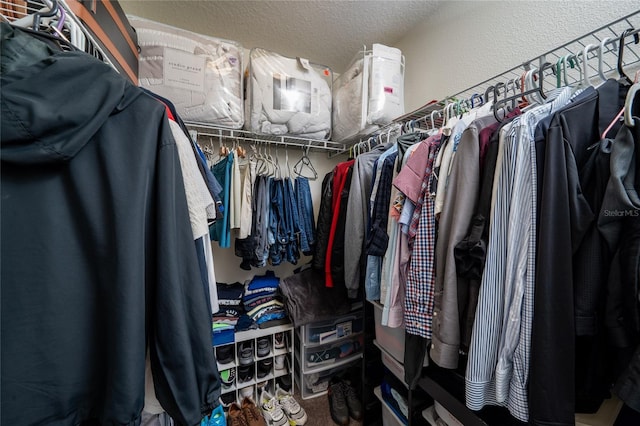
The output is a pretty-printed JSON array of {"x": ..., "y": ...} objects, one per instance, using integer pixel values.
[
  {"x": 331, "y": 353},
  {"x": 327, "y": 331}
]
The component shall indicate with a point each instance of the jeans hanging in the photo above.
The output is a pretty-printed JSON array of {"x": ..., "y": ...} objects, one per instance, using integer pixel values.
[{"x": 305, "y": 215}]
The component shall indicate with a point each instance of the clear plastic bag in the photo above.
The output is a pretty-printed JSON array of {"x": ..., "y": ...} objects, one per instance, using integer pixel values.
[
  {"x": 370, "y": 94},
  {"x": 200, "y": 75},
  {"x": 288, "y": 96},
  {"x": 386, "y": 85}
]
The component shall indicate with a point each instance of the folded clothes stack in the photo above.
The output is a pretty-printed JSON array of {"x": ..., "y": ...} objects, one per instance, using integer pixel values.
[
  {"x": 230, "y": 301},
  {"x": 261, "y": 302}
]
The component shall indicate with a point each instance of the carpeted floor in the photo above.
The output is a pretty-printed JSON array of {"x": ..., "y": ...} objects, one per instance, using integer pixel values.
[{"x": 318, "y": 411}]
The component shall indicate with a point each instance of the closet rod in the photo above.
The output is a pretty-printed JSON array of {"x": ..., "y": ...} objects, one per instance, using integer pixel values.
[{"x": 210, "y": 131}]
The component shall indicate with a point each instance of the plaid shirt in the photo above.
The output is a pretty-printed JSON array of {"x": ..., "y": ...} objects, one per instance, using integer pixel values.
[{"x": 419, "y": 297}]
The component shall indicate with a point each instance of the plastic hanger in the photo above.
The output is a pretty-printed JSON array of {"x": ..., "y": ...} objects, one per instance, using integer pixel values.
[
  {"x": 625, "y": 34},
  {"x": 474, "y": 96},
  {"x": 623, "y": 110},
  {"x": 53, "y": 10},
  {"x": 303, "y": 162},
  {"x": 600, "y": 57},
  {"x": 628, "y": 104},
  {"x": 586, "y": 80}
]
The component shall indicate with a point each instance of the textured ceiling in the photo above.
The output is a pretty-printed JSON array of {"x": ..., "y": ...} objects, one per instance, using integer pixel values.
[{"x": 325, "y": 32}]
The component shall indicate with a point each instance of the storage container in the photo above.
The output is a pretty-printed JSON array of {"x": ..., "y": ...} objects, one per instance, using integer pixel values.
[
  {"x": 316, "y": 384},
  {"x": 330, "y": 330},
  {"x": 389, "y": 339},
  {"x": 370, "y": 93},
  {"x": 389, "y": 418},
  {"x": 288, "y": 96},
  {"x": 200, "y": 75}
]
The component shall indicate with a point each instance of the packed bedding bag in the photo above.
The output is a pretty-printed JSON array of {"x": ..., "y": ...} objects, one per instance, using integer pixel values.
[
  {"x": 288, "y": 96},
  {"x": 370, "y": 94},
  {"x": 200, "y": 75}
]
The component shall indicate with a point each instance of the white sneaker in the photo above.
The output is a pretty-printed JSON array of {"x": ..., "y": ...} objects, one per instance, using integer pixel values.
[
  {"x": 296, "y": 414},
  {"x": 271, "y": 410},
  {"x": 278, "y": 362},
  {"x": 247, "y": 392}
]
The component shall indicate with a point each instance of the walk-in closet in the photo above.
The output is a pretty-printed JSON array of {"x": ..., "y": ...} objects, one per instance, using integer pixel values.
[{"x": 270, "y": 213}]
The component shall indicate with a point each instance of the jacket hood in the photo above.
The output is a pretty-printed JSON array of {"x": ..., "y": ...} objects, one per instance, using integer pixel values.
[{"x": 53, "y": 102}]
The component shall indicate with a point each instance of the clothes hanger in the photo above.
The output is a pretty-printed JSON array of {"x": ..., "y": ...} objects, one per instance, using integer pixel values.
[
  {"x": 305, "y": 161},
  {"x": 53, "y": 10},
  {"x": 538, "y": 90},
  {"x": 586, "y": 80},
  {"x": 622, "y": 111},
  {"x": 628, "y": 105},
  {"x": 628, "y": 32},
  {"x": 496, "y": 93},
  {"x": 601, "y": 55}
]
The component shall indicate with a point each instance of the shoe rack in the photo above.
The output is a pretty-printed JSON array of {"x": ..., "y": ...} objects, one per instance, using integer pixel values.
[{"x": 250, "y": 369}]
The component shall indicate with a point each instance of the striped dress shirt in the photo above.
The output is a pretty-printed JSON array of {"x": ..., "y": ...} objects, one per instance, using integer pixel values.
[
  {"x": 487, "y": 327},
  {"x": 513, "y": 351}
]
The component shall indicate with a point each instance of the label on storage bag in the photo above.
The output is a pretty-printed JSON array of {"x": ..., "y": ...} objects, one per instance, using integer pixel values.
[{"x": 183, "y": 70}]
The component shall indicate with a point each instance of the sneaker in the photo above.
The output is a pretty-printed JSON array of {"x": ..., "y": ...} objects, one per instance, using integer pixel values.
[
  {"x": 246, "y": 392},
  {"x": 284, "y": 382},
  {"x": 278, "y": 362},
  {"x": 294, "y": 412},
  {"x": 354, "y": 404},
  {"x": 228, "y": 377},
  {"x": 264, "y": 367},
  {"x": 224, "y": 354},
  {"x": 252, "y": 413},
  {"x": 271, "y": 410},
  {"x": 278, "y": 339},
  {"x": 217, "y": 417},
  {"x": 245, "y": 353},
  {"x": 226, "y": 399},
  {"x": 263, "y": 346},
  {"x": 245, "y": 373},
  {"x": 236, "y": 416},
  {"x": 338, "y": 402}
]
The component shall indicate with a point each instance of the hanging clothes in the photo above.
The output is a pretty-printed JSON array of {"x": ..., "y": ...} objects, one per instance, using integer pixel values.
[
  {"x": 324, "y": 222},
  {"x": 96, "y": 200},
  {"x": 357, "y": 218},
  {"x": 304, "y": 203},
  {"x": 223, "y": 171},
  {"x": 377, "y": 238},
  {"x": 341, "y": 175}
]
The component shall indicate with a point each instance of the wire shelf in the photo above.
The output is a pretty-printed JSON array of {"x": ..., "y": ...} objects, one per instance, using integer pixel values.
[{"x": 220, "y": 133}]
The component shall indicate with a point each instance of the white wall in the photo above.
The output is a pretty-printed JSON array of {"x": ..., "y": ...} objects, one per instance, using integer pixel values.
[{"x": 466, "y": 42}]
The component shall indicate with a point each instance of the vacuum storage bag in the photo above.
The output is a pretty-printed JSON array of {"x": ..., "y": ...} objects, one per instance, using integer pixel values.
[
  {"x": 288, "y": 96},
  {"x": 200, "y": 75}
]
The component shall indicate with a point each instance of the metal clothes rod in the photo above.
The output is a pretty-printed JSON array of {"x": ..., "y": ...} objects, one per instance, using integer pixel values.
[{"x": 205, "y": 130}]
